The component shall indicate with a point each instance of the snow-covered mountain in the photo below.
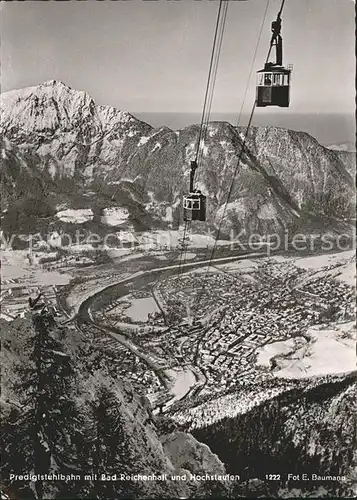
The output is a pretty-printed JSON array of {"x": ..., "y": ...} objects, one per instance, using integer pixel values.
[
  {"x": 344, "y": 146},
  {"x": 60, "y": 146}
]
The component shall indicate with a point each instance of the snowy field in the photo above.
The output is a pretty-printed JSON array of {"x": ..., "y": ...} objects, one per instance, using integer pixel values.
[
  {"x": 140, "y": 308},
  {"x": 345, "y": 272},
  {"x": 114, "y": 216},
  {"x": 329, "y": 351},
  {"x": 183, "y": 380},
  {"x": 283, "y": 348},
  {"x": 22, "y": 278},
  {"x": 246, "y": 265},
  {"x": 78, "y": 216},
  {"x": 315, "y": 262},
  {"x": 16, "y": 265},
  {"x": 170, "y": 240}
]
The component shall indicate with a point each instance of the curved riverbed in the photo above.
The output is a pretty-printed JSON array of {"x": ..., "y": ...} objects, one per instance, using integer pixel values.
[{"x": 179, "y": 381}]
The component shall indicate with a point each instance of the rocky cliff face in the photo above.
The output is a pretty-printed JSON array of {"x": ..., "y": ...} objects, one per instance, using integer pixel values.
[
  {"x": 63, "y": 138},
  {"x": 152, "y": 445}
]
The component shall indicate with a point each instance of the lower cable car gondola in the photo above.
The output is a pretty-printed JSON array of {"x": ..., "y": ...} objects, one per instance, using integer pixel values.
[
  {"x": 194, "y": 206},
  {"x": 273, "y": 82},
  {"x": 194, "y": 203}
]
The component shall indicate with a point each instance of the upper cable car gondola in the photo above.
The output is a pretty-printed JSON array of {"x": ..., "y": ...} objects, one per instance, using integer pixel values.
[
  {"x": 273, "y": 82},
  {"x": 194, "y": 203}
]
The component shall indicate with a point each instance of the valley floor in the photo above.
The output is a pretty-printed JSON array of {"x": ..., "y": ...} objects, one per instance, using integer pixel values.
[
  {"x": 182, "y": 339},
  {"x": 204, "y": 346},
  {"x": 275, "y": 308}
]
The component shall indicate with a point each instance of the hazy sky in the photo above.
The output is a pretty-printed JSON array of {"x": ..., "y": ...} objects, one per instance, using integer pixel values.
[{"x": 150, "y": 56}]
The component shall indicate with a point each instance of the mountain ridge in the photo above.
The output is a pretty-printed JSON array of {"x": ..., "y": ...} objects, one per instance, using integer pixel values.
[{"x": 282, "y": 172}]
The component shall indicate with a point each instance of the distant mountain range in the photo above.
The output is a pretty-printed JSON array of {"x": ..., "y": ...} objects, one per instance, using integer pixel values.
[
  {"x": 60, "y": 150},
  {"x": 344, "y": 146}
]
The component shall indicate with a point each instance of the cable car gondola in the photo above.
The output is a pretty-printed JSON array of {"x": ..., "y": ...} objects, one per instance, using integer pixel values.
[
  {"x": 273, "y": 82},
  {"x": 194, "y": 203}
]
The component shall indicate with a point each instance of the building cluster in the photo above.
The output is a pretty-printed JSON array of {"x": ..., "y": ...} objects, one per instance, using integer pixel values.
[
  {"x": 217, "y": 322},
  {"x": 278, "y": 302},
  {"x": 336, "y": 298},
  {"x": 213, "y": 324}
]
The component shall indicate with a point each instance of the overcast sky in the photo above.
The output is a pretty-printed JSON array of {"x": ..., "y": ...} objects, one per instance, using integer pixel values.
[{"x": 153, "y": 56}]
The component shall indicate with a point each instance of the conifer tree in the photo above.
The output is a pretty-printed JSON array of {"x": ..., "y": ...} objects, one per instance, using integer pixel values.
[
  {"x": 111, "y": 452},
  {"x": 38, "y": 438}
]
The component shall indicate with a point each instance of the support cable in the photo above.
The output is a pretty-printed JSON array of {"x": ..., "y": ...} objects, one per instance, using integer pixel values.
[
  {"x": 218, "y": 21},
  {"x": 253, "y": 63},
  {"x": 242, "y": 150},
  {"x": 206, "y": 118},
  {"x": 212, "y": 73}
]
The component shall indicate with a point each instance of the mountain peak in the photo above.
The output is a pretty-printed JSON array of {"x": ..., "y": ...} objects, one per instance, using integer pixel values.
[{"x": 54, "y": 83}]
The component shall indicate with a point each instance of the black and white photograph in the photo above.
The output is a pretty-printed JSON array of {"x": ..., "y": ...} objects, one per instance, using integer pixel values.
[{"x": 178, "y": 249}]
